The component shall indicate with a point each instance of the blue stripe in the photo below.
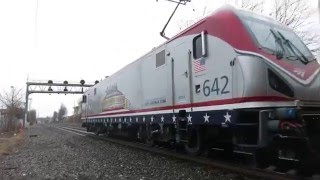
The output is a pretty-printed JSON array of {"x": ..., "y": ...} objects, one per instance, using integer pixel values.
[{"x": 219, "y": 117}]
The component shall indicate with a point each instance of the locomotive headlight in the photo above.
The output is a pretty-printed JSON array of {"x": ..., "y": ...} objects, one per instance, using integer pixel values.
[{"x": 286, "y": 113}]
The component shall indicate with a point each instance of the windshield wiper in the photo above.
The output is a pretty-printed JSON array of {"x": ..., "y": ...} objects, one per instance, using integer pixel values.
[
  {"x": 291, "y": 46},
  {"x": 279, "y": 51}
]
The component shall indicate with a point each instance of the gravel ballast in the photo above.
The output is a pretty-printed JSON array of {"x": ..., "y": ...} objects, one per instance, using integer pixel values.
[{"x": 50, "y": 153}]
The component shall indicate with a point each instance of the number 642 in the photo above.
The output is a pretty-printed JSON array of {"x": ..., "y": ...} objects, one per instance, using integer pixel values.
[{"x": 208, "y": 88}]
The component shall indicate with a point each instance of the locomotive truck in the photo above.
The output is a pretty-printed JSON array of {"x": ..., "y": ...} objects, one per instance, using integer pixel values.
[{"x": 234, "y": 81}]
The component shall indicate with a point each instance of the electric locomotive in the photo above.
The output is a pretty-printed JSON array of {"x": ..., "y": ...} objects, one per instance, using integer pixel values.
[{"x": 234, "y": 81}]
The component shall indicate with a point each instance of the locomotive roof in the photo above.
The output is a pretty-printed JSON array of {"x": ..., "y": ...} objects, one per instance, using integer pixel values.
[
  {"x": 228, "y": 8},
  {"x": 219, "y": 14}
]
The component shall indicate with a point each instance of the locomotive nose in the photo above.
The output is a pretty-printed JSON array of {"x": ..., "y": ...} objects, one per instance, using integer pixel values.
[{"x": 290, "y": 85}]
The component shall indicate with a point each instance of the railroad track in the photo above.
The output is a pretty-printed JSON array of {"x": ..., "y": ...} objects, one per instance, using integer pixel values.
[{"x": 225, "y": 166}]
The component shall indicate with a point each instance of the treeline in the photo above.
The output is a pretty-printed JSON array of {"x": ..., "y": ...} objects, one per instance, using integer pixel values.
[{"x": 60, "y": 114}]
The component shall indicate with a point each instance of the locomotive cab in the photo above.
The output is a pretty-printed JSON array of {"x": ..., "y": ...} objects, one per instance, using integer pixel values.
[
  {"x": 290, "y": 69},
  {"x": 282, "y": 69}
]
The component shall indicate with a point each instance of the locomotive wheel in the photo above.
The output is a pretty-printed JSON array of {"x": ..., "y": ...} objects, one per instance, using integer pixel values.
[{"x": 194, "y": 146}]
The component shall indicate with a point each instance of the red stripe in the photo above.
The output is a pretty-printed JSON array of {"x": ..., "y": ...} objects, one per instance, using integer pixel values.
[{"x": 200, "y": 104}]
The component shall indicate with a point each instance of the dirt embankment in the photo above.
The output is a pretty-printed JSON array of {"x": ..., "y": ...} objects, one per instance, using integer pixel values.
[{"x": 10, "y": 141}]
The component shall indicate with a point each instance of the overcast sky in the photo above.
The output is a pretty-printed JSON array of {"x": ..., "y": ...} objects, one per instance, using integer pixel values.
[{"x": 81, "y": 39}]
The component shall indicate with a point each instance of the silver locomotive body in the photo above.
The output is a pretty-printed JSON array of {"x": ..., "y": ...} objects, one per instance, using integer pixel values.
[{"x": 233, "y": 81}]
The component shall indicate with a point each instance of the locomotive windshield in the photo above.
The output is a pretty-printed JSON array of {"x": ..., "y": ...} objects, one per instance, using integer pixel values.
[{"x": 279, "y": 40}]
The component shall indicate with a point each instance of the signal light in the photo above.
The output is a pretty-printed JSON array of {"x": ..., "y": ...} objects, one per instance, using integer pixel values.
[{"x": 82, "y": 82}]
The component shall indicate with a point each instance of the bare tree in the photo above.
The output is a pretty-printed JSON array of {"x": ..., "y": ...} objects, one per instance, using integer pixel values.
[
  {"x": 253, "y": 5},
  {"x": 296, "y": 15},
  {"x": 12, "y": 101},
  {"x": 292, "y": 13},
  {"x": 199, "y": 13},
  {"x": 62, "y": 112}
]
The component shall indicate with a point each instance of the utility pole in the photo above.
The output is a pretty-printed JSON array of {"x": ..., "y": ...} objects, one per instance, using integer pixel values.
[
  {"x": 26, "y": 108},
  {"x": 12, "y": 95},
  {"x": 11, "y": 111}
]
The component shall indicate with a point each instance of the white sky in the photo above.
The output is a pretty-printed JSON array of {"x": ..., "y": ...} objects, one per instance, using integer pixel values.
[{"x": 81, "y": 39}]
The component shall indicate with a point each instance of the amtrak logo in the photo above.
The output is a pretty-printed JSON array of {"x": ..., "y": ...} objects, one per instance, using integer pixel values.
[{"x": 299, "y": 72}]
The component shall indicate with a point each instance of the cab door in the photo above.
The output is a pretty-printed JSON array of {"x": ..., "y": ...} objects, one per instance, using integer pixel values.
[
  {"x": 212, "y": 71},
  {"x": 181, "y": 77}
]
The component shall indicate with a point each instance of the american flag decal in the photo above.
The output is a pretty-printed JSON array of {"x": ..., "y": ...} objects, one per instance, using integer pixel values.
[{"x": 199, "y": 65}]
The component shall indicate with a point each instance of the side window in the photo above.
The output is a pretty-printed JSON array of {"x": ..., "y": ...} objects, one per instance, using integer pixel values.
[
  {"x": 95, "y": 91},
  {"x": 160, "y": 58},
  {"x": 199, "y": 46}
]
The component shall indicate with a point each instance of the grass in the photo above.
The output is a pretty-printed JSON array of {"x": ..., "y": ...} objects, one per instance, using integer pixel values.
[{"x": 9, "y": 141}]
